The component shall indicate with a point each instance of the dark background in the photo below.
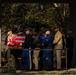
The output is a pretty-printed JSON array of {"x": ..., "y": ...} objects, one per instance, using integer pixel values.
[
  {"x": 72, "y": 24},
  {"x": 72, "y": 19},
  {"x": 28, "y": 1}
]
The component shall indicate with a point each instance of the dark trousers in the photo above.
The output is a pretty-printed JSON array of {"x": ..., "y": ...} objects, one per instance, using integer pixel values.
[
  {"x": 74, "y": 59},
  {"x": 18, "y": 54},
  {"x": 47, "y": 60},
  {"x": 26, "y": 59}
]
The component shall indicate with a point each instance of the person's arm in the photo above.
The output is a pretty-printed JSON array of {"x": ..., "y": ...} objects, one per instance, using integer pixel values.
[
  {"x": 57, "y": 38},
  {"x": 24, "y": 42},
  {"x": 6, "y": 40},
  {"x": 31, "y": 42},
  {"x": 47, "y": 40}
]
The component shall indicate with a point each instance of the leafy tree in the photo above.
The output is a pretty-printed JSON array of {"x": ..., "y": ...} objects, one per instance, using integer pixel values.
[{"x": 37, "y": 16}]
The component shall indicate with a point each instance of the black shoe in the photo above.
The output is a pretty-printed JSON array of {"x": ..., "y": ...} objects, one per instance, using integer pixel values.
[
  {"x": 35, "y": 70},
  {"x": 28, "y": 70},
  {"x": 49, "y": 69},
  {"x": 58, "y": 69}
]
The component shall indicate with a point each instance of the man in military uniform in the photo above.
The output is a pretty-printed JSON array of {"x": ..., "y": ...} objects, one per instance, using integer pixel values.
[
  {"x": 47, "y": 53},
  {"x": 58, "y": 45},
  {"x": 10, "y": 52}
]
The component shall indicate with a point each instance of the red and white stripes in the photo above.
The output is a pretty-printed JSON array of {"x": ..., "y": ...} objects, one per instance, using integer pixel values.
[{"x": 16, "y": 40}]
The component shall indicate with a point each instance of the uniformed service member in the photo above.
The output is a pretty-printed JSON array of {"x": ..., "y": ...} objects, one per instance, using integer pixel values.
[
  {"x": 9, "y": 43},
  {"x": 58, "y": 45},
  {"x": 47, "y": 53}
]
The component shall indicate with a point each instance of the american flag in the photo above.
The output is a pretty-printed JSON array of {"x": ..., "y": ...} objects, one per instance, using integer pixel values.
[
  {"x": 16, "y": 40},
  {"x": 19, "y": 40}
]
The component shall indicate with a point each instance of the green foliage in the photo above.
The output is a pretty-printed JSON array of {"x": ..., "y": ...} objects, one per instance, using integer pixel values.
[{"x": 38, "y": 16}]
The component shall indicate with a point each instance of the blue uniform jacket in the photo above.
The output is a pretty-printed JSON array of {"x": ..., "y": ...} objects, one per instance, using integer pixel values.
[{"x": 48, "y": 43}]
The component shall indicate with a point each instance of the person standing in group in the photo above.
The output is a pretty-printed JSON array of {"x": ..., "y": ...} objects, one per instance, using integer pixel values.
[
  {"x": 58, "y": 44},
  {"x": 47, "y": 53},
  {"x": 19, "y": 40},
  {"x": 41, "y": 51},
  {"x": 27, "y": 45},
  {"x": 10, "y": 43},
  {"x": 37, "y": 47},
  {"x": 69, "y": 46}
]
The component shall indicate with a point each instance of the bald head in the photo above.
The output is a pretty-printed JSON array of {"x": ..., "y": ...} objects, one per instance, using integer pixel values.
[{"x": 9, "y": 32}]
